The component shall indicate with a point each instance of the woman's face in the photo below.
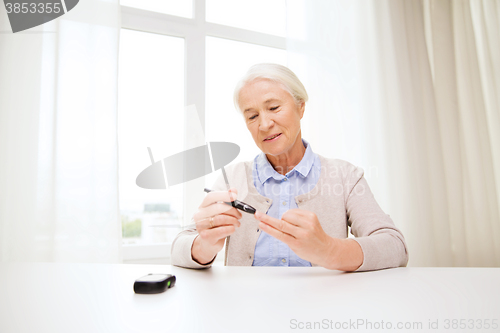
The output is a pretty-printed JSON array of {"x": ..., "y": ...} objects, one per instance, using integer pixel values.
[{"x": 272, "y": 116}]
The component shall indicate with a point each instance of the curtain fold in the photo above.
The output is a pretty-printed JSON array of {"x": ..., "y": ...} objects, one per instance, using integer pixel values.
[
  {"x": 480, "y": 192},
  {"x": 58, "y": 138},
  {"x": 408, "y": 90}
]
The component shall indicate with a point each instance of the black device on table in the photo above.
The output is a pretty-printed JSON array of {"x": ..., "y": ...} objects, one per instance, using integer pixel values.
[
  {"x": 154, "y": 283},
  {"x": 238, "y": 205}
]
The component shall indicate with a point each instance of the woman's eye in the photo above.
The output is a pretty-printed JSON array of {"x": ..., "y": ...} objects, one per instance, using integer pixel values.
[
  {"x": 253, "y": 117},
  {"x": 274, "y": 108}
]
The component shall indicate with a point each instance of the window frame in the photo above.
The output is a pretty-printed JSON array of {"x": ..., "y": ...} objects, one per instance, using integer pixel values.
[{"x": 194, "y": 31}]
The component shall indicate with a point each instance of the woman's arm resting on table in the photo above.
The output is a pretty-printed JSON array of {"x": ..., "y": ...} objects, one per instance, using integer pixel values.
[{"x": 383, "y": 244}]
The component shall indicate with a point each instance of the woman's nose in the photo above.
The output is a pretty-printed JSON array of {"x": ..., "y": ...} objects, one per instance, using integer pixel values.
[{"x": 266, "y": 123}]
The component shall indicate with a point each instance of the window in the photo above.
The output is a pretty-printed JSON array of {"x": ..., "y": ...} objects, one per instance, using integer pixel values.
[
  {"x": 151, "y": 104},
  {"x": 171, "y": 57},
  {"x": 182, "y": 8},
  {"x": 257, "y": 15}
]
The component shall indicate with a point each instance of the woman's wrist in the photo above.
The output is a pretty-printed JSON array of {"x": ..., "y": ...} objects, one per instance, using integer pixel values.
[
  {"x": 344, "y": 255},
  {"x": 200, "y": 253}
]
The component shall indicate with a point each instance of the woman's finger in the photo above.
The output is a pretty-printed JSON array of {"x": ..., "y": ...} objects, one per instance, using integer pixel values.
[
  {"x": 216, "y": 221},
  {"x": 217, "y": 209},
  {"x": 217, "y": 196},
  {"x": 279, "y": 235},
  {"x": 280, "y": 225},
  {"x": 298, "y": 217},
  {"x": 216, "y": 234}
]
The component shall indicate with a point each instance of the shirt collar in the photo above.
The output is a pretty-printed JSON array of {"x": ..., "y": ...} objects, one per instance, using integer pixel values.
[{"x": 265, "y": 170}]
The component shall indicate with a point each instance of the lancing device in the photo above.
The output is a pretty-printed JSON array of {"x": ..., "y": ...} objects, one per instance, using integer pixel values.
[{"x": 238, "y": 204}]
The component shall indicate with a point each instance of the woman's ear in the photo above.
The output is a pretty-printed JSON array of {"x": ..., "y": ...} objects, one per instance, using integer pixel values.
[{"x": 302, "y": 108}]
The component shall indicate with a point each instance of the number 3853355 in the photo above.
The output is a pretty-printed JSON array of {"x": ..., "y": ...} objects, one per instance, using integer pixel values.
[{"x": 32, "y": 7}]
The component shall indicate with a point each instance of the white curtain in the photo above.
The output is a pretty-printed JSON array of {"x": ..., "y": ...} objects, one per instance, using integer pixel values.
[
  {"x": 410, "y": 91},
  {"x": 58, "y": 137}
]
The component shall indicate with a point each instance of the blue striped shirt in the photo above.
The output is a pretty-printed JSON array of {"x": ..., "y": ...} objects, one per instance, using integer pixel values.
[{"x": 282, "y": 190}]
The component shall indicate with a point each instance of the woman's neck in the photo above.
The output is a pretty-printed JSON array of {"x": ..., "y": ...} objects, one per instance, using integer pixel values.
[{"x": 287, "y": 161}]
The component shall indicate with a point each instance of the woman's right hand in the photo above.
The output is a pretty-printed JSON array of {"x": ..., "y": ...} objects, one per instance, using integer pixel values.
[{"x": 214, "y": 222}]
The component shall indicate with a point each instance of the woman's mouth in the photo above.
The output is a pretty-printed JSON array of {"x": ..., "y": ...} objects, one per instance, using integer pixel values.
[{"x": 273, "y": 137}]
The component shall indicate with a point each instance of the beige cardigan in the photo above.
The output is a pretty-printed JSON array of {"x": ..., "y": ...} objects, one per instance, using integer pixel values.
[{"x": 341, "y": 198}]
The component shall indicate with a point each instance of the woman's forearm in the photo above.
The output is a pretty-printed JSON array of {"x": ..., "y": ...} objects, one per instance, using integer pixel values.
[{"x": 344, "y": 255}]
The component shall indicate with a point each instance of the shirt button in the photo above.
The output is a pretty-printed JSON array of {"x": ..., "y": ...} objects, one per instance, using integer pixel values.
[
  {"x": 284, "y": 203},
  {"x": 283, "y": 260},
  {"x": 285, "y": 179}
]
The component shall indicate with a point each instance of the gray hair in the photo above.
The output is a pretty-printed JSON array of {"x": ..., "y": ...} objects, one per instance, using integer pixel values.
[{"x": 276, "y": 73}]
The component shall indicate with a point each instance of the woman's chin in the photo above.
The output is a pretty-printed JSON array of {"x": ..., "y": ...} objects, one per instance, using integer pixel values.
[
  {"x": 273, "y": 151},
  {"x": 275, "y": 147}
]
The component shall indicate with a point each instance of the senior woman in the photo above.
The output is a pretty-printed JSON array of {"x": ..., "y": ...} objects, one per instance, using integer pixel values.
[{"x": 305, "y": 202}]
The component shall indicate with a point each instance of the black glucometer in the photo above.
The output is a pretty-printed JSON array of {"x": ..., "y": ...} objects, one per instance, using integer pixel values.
[{"x": 154, "y": 283}]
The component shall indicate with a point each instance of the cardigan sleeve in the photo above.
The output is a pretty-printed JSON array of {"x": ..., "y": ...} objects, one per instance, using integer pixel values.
[
  {"x": 382, "y": 243},
  {"x": 181, "y": 250}
]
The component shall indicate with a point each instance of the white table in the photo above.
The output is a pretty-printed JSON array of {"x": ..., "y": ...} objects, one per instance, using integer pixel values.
[{"x": 45, "y": 297}]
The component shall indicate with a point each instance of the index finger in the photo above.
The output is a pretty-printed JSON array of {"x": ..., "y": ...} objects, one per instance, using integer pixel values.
[
  {"x": 292, "y": 216},
  {"x": 281, "y": 225},
  {"x": 295, "y": 216},
  {"x": 216, "y": 196}
]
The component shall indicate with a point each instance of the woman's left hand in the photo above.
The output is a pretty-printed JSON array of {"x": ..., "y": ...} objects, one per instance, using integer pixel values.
[{"x": 302, "y": 232}]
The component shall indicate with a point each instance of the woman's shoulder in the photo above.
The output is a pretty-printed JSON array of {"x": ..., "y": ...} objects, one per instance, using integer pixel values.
[{"x": 336, "y": 166}]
